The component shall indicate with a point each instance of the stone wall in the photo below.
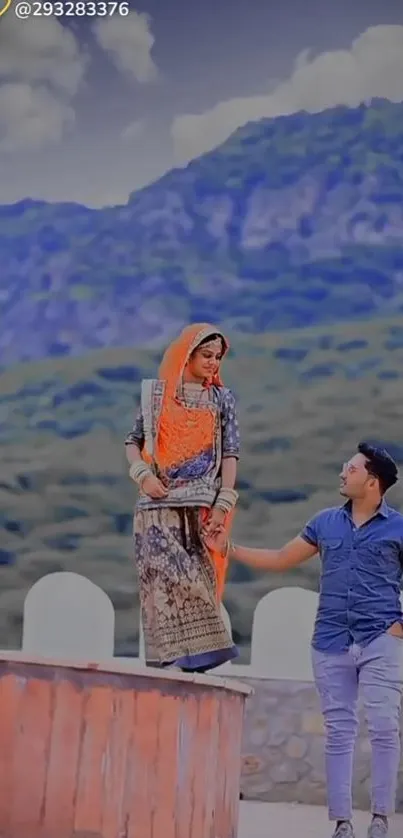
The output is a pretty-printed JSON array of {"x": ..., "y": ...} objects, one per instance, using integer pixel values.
[{"x": 283, "y": 747}]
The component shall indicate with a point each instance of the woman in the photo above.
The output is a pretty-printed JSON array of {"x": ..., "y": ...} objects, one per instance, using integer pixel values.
[{"x": 183, "y": 453}]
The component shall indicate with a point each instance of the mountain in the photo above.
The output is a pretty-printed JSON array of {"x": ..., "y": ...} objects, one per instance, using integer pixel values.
[{"x": 293, "y": 221}]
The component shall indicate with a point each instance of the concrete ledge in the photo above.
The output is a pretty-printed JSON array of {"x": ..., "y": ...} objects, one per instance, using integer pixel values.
[
  {"x": 125, "y": 666},
  {"x": 283, "y": 747}
]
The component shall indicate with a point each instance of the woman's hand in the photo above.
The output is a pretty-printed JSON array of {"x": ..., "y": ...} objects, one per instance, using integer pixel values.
[
  {"x": 153, "y": 487},
  {"x": 214, "y": 521},
  {"x": 217, "y": 540}
]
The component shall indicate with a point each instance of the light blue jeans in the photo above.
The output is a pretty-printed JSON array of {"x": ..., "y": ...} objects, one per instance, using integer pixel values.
[{"x": 374, "y": 672}]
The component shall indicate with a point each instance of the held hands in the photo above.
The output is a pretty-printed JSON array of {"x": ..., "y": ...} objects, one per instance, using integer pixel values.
[
  {"x": 216, "y": 540},
  {"x": 214, "y": 521}
]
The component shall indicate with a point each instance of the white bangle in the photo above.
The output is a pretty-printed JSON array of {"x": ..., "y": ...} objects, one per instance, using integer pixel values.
[
  {"x": 138, "y": 471},
  {"x": 230, "y": 551},
  {"x": 226, "y": 499}
]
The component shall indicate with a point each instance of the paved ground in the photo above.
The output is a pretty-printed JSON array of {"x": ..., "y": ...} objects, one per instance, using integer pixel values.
[{"x": 285, "y": 820}]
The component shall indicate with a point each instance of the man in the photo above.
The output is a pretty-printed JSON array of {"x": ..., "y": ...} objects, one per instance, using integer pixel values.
[{"x": 358, "y": 636}]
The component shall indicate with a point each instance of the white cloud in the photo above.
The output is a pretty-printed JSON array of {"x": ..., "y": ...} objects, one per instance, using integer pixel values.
[
  {"x": 133, "y": 131},
  {"x": 41, "y": 68},
  {"x": 41, "y": 50},
  {"x": 372, "y": 67},
  {"x": 31, "y": 117},
  {"x": 129, "y": 42}
]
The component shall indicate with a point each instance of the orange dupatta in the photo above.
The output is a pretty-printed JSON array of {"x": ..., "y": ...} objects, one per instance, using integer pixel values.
[{"x": 184, "y": 432}]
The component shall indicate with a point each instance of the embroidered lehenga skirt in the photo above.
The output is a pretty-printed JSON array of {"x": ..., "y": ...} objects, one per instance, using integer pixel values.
[{"x": 181, "y": 616}]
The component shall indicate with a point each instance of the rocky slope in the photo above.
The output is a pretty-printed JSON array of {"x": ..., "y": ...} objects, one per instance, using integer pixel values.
[{"x": 293, "y": 221}]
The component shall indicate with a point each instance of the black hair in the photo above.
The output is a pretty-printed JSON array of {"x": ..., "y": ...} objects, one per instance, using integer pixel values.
[
  {"x": 379, "y": 464},
  {"x": 210, "y": 338}
]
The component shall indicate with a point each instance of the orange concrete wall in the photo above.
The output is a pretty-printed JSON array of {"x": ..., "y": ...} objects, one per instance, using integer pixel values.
[{"x": 93, "y": 753}]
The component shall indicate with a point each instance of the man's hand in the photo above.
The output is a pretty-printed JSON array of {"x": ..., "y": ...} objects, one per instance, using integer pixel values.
[
  {"x": 217, "y": 540},
  {"x": 214, "y": 521},
  {"x": 153, "y": 487}
]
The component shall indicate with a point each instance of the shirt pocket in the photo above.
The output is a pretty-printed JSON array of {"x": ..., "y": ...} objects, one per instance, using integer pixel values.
[
  {"x": 382, "y": 555},
  {"x": 331, "y": 552}
]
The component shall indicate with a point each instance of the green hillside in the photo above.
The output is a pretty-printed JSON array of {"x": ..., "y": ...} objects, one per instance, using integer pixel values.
[{"x": 306, "y": 398}]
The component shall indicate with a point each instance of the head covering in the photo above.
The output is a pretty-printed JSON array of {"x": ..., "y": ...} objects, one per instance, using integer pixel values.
[{"x": 184, "y": 432}]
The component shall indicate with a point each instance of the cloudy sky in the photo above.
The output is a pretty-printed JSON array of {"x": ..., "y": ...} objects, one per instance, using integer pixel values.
[{"x": 92, "y": 109}]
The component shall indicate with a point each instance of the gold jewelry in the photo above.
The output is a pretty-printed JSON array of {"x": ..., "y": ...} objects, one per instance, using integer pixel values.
[{"x": 193, "y": 396}]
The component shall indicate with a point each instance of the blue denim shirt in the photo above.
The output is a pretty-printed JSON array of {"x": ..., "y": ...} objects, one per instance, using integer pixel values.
[{"x": 359, "y": 596}]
